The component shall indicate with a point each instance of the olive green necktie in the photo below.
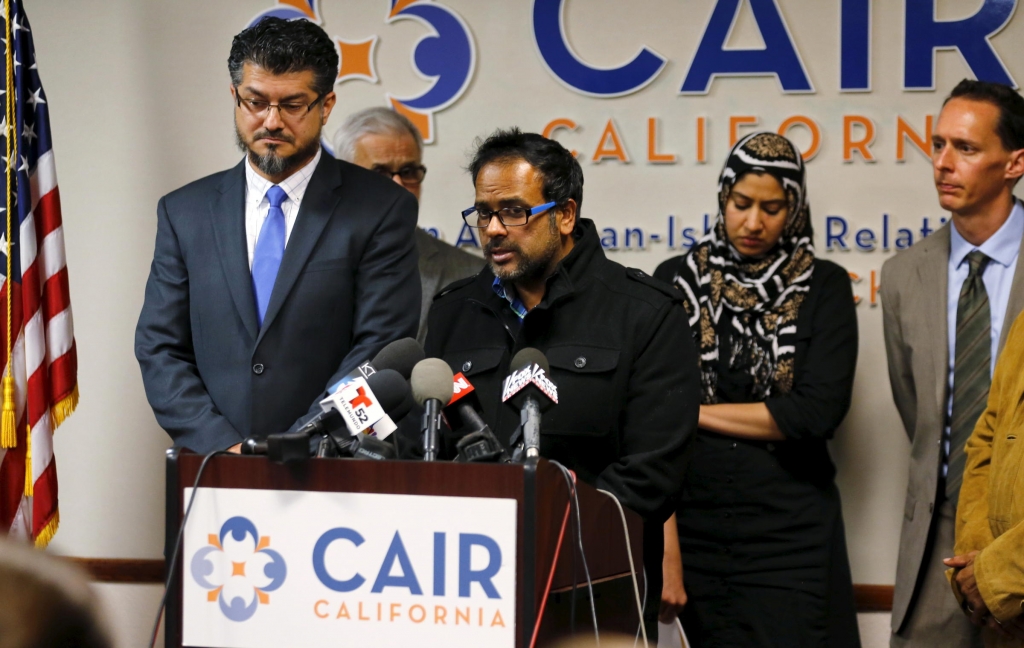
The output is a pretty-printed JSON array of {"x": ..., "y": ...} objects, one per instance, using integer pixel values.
[{"x": 971, "y": 368}]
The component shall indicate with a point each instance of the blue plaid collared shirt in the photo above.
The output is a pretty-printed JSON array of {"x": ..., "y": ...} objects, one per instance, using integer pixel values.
[{"x": 509, "y": 295}]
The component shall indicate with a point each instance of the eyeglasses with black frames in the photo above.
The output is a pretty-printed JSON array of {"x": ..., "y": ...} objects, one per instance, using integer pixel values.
[
  {"x": 508, "y": 216},
  {"x": 259, "y": 108},
  {"x": 410, "y": 175}
]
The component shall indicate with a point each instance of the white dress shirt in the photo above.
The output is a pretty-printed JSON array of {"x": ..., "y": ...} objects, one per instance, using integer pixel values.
[{"x": 257, "y": 206}]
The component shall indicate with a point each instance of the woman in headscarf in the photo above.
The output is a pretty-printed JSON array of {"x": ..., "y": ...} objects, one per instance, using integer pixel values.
[{"x": 759, "y": 523}]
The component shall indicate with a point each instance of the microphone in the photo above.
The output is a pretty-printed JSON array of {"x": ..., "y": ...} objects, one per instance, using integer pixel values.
[
  {"x": 362, "y": 406},
  {"x": 404, "y": 408},
  {"x": 293, "y": 446},
  {"x": 400, "y": 355},
  {"x": 361, "y": 446},
  {"x": 393, "y": 394},
  {"x": 366, "y": 405},
  {"x": 481, "y": 446},
  {"x": 253, "y": 446},
  {"x": 432, "y": 387},
  {"x": 323, "y": 423},
  {"x": 529, "y": 388},
  {"x": 476, "y": 441},
  {"x": 462, "y": 411},
  {"x": 396, "y": 399}
]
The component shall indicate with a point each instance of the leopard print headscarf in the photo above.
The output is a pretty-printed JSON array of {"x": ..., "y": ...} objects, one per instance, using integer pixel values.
[{"x": 760, "y": 297}]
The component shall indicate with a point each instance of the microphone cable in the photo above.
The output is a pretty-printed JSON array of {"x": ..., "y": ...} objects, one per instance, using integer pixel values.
[
  {"x": 632, "y": 566},
  {"x": 643, "y": 608},
  {"x": 177, "y": 543},
  {"x": 551, "y": 577},
  {"x": 683, "y": 639},
  {"x": 570, "y": 481},
  {"x": 573, "y": 592}
]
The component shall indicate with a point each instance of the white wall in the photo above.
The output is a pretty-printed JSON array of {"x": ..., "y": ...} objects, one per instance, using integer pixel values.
[
  {"x": 139, "y": 104},
  {"x": 130, "y": 104}
]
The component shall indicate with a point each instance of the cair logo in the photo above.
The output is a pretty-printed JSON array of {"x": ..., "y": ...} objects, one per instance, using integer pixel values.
[
  {"x": 446, "y": 57},
  {"x": 238, "y": 569}
]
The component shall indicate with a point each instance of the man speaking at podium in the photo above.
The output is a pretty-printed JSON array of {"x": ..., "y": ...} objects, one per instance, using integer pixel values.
[
  {"x": 273, "y": 279},
  {"x": 617, "y": 340}
]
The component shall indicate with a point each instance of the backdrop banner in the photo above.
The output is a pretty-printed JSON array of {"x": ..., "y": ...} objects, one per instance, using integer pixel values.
[{"x": 651, "y": 95}]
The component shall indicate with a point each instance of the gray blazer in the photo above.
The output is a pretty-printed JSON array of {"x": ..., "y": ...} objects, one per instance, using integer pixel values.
[
  {"x": 440, "y": 265},
  {"x": 914, "y": 286}
]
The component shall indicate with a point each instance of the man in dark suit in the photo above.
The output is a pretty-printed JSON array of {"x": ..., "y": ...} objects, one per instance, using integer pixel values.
[
  {"x": 272, "y": 280},
  {"x": 384, "y": 141}
]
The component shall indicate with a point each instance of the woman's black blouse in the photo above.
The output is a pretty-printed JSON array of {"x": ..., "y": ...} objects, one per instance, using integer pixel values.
[{"x": 765, "y": 512}]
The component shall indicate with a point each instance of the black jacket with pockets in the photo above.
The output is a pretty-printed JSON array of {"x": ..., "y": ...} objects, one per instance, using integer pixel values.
[{"x": 621, "y": 355}]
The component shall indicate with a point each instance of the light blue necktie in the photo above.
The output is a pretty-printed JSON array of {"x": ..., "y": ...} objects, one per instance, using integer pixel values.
[{"x": 266, "y": 258}]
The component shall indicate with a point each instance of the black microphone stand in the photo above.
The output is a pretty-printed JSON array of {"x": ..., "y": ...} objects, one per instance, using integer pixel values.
[{"x": 431, "y": 428}]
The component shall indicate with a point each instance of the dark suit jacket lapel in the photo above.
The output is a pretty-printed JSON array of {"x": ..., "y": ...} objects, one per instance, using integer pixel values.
[
  {"x": 227, "y": 213},
  {"x": 933, "y": 273},
  {"x": 318, "y": 203}
]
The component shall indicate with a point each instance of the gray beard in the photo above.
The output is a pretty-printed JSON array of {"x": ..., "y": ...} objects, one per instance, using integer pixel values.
[{"x": 528, "y": 268}]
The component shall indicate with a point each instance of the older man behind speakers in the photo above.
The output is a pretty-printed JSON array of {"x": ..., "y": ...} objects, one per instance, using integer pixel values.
[{"x": 381, "y": 140}]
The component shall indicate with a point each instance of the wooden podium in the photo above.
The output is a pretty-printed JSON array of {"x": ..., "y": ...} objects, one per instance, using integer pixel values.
[{"x": 542, "y": 498}]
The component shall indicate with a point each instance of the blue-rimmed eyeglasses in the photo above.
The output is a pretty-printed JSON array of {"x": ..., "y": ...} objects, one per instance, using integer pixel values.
[{"x": 508, "y": 216}]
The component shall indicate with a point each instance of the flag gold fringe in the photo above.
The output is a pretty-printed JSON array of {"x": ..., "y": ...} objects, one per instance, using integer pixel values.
[
  {"x": 64, "y": 408},
  {"x": 8, "y": 436},
  {"x": 48, "y": 531},
  {"x": 30, "y": 484}
]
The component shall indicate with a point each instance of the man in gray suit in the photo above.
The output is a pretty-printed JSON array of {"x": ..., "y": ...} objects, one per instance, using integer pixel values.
[
  {"x": 384, "y": 141},
  {"x": 947, "y": 305}
]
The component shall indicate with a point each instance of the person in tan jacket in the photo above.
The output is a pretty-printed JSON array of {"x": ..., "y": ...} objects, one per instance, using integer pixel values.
[{"x": 988, "y": 570}]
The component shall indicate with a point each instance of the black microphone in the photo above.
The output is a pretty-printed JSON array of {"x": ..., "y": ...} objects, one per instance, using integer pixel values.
[
  {"x": 361, "y": 446},
  {"x": 476, "y": 442},
  {"x": 406, "y": 408},
  {"x": 293, "y": 446},
  {"x": 529, "y": 388},
  {"x": 400, "y": 355},
  {"x": 322, "y": 423},
  {"x": 366, "y": 411},
  {"x": 463, "y": 411},
  {"x": 389, "y": 390},
  {"x": 386, "y": 390},
  {"x": 253, "y": 446},
  {"x": 431, "y": 382},
  {"x": 481, "y": 446},
  {"x": 393, "y": 391}
]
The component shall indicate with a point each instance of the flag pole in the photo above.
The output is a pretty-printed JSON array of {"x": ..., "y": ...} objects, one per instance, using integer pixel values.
[{"x": 8, "y": 425}]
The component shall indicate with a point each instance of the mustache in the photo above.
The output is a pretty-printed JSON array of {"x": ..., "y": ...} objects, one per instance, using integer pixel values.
[
  {"x": 279, "y": 134},
  {"x": 500, "y": 243}
]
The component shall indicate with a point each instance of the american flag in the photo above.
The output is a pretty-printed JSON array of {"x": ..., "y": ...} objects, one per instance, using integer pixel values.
[{"x": 43, "y": 360}]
